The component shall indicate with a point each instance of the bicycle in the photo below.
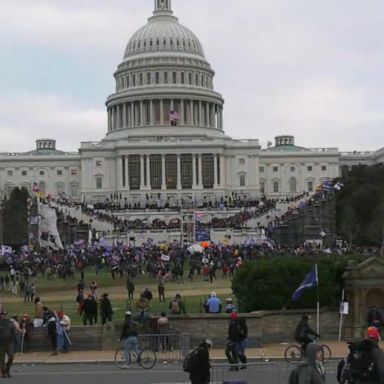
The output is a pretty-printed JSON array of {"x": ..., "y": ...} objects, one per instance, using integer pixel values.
[
  {"x": 295, "y": 352},
  {"x": 145, "y": 359}
]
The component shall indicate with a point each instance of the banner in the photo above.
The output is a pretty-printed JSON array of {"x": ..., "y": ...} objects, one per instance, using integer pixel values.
[
  {"x": 203, "y": 235},
  {"x": 48, "y": 233}
]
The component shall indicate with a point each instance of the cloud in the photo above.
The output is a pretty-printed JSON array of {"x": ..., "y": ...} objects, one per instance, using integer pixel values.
[{"x": 28, "y": 117}]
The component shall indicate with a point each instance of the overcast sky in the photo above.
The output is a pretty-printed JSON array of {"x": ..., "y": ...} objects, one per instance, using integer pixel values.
[{"x": 314, "y": 69}]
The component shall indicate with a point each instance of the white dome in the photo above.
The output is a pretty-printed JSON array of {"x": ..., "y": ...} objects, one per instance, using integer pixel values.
[{"x": 163, "y": 33}]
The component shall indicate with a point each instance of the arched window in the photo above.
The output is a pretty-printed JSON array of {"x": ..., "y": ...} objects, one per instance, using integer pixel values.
[
  {"x": 141, "y": 79},
  {"x": 293, "y": 185},
  {"x": 133, "y": 80},
  {"x": 157, "y": 78},
  {"x": 74, "y": 189},
  {"x": 42, "y": 186},
  {"x": 99, "y": 182},
  {"x": 197, "y": 79},
  {"x": 148, "y": 78},
  {"x": 190, "y": 78},
  {"x": 127, "y": 81},
  {"x": 182, "y": 78}
]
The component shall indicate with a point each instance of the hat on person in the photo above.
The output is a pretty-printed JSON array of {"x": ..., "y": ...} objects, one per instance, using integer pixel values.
[
  {"x": 234, "y": 315},
  {"x": 3, "y": 313},
  {"x": 229, "y": 300},
  {"x": 373, "y": 333},
  {"x": 213, "y": 294},
  {"x": 209, "y": 343},
  {"x": 128, "y": 313}
]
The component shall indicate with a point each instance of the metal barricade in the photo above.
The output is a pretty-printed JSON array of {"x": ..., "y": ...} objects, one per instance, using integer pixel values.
[
  {"x": 269, "y": 373},
  {"x": 168, "y": 347},
  {"x": 330, "y": 370}
]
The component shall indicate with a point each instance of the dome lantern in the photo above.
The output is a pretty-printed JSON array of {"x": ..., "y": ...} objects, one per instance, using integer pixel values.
[{"x": 163, "y": 6}]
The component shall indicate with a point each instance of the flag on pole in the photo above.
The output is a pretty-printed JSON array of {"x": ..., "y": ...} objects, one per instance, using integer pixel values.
[
  {"x": 327, "y": 185},
  {"x": 310, "y": 281},
  {"x": 174, "y": 117},
  {"x": 338, "y": 186}
]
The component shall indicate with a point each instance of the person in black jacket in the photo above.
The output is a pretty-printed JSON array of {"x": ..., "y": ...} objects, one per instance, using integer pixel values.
[
  {"x": 303, "y": 332},
  {"x": 374, "y": 318},
  {"x": 234, "y": 338},
  {"x": 242, "y": 345},
  {"x": 106, "y": 311},
  {"x": 89, "y": 310},
  {"x": 202, "y": 374},
  {"x": 129, "y": 337}
]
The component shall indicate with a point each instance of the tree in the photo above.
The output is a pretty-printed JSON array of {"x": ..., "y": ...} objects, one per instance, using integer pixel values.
[
  {"x": 349, "y": 224},
  {"x": 15, "y": 218}
]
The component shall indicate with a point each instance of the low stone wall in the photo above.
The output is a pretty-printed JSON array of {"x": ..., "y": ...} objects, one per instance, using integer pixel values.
[{"x": 264, "y": 327}]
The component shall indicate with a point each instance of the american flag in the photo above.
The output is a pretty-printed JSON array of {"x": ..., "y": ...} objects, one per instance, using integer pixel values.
[{"x": 173, "y": 117}]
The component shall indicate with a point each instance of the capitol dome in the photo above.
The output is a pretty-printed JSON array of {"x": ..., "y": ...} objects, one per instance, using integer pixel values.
[
  {"x": 163, "y": 33},
  {"x": 164, "y": 85}
]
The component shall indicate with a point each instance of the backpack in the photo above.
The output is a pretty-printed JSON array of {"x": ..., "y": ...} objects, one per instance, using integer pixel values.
[
  {"x": 191, "y": 362},
  {"x": 175, "y": 307},
  {"x": 360, "y": 359},
  {"x": 294, "y": 375}
]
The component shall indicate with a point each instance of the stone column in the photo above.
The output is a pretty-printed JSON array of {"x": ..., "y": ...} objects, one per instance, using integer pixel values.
[
  {"x": 109, "y": 120},
  {"x": 200, "y": 114},
  {"x": 163, "y": 180},
  {"x": 161, "y": 112},
  {"x": 207, "y": 115},
  {"x": 200, "y": 169},
  {"x": 124, "y": 115},
  {"x": 179, "y": 172},
  {"x": 132, "y": 114},
  {"x": 215, "y": 181},
  {"x": 149, "y": 172},
  {"x": 142, "y": 172},
  {"x": 119, "y": 181},
  {"x": 172, "y": 104},
  {"x": 181, "y": 112},
  {"x": 221, "y": 118},
  {"x": 141, "y": 113},
  {"x": 192, "y": 112},
  {"x": 222, "y": 171},
  {"x": 151, "y": 113},
  {"x": 194, "y": 184}
]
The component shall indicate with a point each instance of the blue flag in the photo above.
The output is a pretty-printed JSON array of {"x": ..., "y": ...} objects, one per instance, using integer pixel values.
[{"x": 310, "y": 281}]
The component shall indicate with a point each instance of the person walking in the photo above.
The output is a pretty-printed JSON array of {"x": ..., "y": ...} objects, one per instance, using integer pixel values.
[
  {"x": 200, "y": 367},
  {"x": 234, "y": 338},
  {"x": 130, "y": 288},
  {"x": 161, "y": 290},
  {"x": 242, "y": 345},
  {"x": 129, "y": 337},
  {"x": 52, "y": 334},
  {"x": 88, "y": 310},
  {"x": 7, "y": 334},
  {"x": 106, "y": 311}
]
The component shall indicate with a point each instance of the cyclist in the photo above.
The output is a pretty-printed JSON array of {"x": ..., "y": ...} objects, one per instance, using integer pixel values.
[
  {"x": 304, "y": 331},
  {"x": 129, "y": 337}
]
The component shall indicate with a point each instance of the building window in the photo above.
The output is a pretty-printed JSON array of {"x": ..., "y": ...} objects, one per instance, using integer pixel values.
[
  {"x": 99, "y": 163},
  {"x": 174, "y": 77},
  {"x": 186, "y": 171},
  {"x": 261, "y": 169},
  {"x": 133, "y": 80},
  {"x": 134, "y": 172},
  {"x": 293, "y": 169},
  {"x": 275, "y": 169},
  {"x": 99, "y": 182},
  {"x": 293, "y": 185},
  {"x": 190, "y": 78},
  {"x": 309, "y": 168},
  {"x": 141, "y": 79},
  {"x": 42, "y": 187},
  {"x": 182, "y": 78},
  {"x": 241, "y": 161},
  {"x": 208, "y": 171},
  {"x": 59, "y": 172},
  {"x": 310, "y": 186},
  {"x": 73, "y": 172},
  {"x": 24, "y": 173},
  {"x": 157, "y": 78},
  {"x": 276, "y": 187},
  {"x": 155, "y": 163},
  {"x": 262, "y": 187},
  {"x": 74, "y": 191},
  {"x": 197, "y": 80},
  {"x": 60, "y": 188},
  {"x": 42, "y": 173},
  {"x": 171, "y": 171},
  {"x": 323, "y": 168},
  {"x": 243, "y": 180},
  {"x": 165, "y": 77}
]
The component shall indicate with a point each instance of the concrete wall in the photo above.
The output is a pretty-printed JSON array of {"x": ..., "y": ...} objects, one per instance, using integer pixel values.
[{"x": 264, "y": 327}]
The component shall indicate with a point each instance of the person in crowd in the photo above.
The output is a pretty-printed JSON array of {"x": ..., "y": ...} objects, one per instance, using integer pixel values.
[
  {"x": 94, "y": 288},
  {"x": 161, "y": 289},
  {"x": 163, "y": 329},
  {"x": 129, "y": 337},
  {"x": 33, "y": 292},
  {"x": 176, "y": 305},
  {"x": 52, "y": 333},
  {"x": 142, "y": 306},
  {"x": 304, "y": 331},
  {"x": 7, "y": 334},
  {"x": 375, "y": 318},
  {"x": 230, "y": 306},
  {"x": 64, "y": 327},
  {"x": 214, "y": 303},
  {"x": 26, "y": 327},
  {"x": 17, "y": 335},
  {"x": 38, "y": 319},
  {"x": 148, "y": 294},
  {"x": 200, "y": 368},
  {"x": 242, "y": 346},
  {"x": 313, "y": 371},
  {"x": 89, "y": 310},
  {"x": 106, "y": 311},
  {"x": 234, "y": 338},
  {"x": 130, "y": 288},
  {"x": 27, "y": 292}
]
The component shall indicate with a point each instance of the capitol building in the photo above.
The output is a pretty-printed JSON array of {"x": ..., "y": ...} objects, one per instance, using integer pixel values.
[{"x": 166, "y": 136}]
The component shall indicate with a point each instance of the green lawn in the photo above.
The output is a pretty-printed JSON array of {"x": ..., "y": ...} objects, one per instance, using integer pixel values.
[{"x": 58, "y": 294}]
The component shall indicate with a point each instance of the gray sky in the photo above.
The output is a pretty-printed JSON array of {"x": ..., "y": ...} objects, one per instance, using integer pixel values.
[{"x": 313, "y": 69}]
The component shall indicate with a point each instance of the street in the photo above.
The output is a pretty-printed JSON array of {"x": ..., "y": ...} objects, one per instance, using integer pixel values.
[{"x": 270, "y": 372}]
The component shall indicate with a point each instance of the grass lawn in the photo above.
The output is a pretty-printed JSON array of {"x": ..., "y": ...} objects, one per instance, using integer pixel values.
[{"x": 58, "y": 294}]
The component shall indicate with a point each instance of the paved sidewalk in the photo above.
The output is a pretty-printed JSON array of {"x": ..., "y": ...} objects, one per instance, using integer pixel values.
[{"x": 269, "y": 351}]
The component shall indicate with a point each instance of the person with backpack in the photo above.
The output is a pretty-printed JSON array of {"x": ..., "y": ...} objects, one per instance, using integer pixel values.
[
  {"x": 234, "y": 338},
  {"x": 365, "y": 362},
  {"x": 304, "y": 331},
  {"x": 198, "y": 365},
  {"x": 312, "y": 371},
  {"x": 176, "y": 305},
  {"x": 106, "y": 311}
]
